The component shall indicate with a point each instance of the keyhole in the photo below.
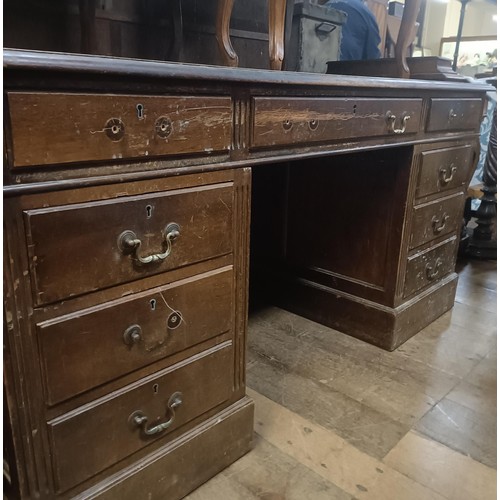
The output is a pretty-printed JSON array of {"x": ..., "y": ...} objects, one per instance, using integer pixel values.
[
  {"x": 354, "y": 109},
  {"x": 155, "y": 388},
  {"x": 152, "y": 303},
  {"x": 149, "y": 211},
  {"x": 140, "y": 111}
]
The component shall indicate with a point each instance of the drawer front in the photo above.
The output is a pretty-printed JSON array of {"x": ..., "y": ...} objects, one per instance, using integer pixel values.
[
  {"x": 84, "y": 247},
  {"x": 101, "y": 344},
  {"x": 443, "y": 169},
  {"x": 455, "y": 114},
  {"x": 426, "y": 268},
  {"x": 52, "y": 128},
  {"x": 433, "y": 220},
  {"x": 95, "y": 436},
  {"x": 280, "y": 121}
]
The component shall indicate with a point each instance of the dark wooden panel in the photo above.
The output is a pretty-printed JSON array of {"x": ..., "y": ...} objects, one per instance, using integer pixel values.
[
  {"x": 443, "y": 169},
  {"x": 205, "y": 451},
  {"x": 98, "y": 435},
  {"x": 454, "y": 114},
  {"x": 426, "y": 268},
  {"x": 74, "y": 249},
  {"x": 345, "y": 220},
  {"x": 283, "y": 121},
  {"x": 53, "y": 128},
  {"x": 436, "y": 219},
  {"x": 88, "y": 348}
]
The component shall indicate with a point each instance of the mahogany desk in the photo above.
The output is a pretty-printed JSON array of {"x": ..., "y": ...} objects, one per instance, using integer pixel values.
[{"x": 126, "y": 248}]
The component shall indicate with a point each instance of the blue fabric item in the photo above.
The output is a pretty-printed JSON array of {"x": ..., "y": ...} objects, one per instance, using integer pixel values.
[{"x": 360, "y": 35}]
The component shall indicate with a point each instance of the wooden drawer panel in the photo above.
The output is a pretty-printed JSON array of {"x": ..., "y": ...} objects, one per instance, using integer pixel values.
[
  {"x": 97, "y": 345},
  {"x": 426, "y": 268},
  {"x": 436, "y": 219},
  {"x": 454, "y": 114},
  {"x": 95, "y": 436},
  {"x": 76, "y": 249},
  {"x": 443, "y": 169},
  {"x": 280, "y": 121},
  {"x": 63, "y": 128}
]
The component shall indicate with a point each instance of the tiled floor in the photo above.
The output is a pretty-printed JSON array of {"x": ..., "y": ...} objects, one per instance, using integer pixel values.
[{"x": 337, "y": 418}]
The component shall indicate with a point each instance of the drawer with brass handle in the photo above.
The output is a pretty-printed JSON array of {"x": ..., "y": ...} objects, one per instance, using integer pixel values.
[
  {"x": 93, "y": 437},
  {"x": 295, "y": 121},
  {"x": 91, "y": 127},
  {"x": 436, "y": 219},
  {"x": 443, "y": 169},
  {"x": 105, "y": 342},
  {"x": 454, "y": 114},
  {"x": 426, "y": 268},
  {"x": 79, "y": 248}
]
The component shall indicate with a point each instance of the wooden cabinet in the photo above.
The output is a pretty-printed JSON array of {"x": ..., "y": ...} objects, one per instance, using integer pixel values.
[
  {"x": 126, "y": 249},
  {"x": 130, "y": 356}
]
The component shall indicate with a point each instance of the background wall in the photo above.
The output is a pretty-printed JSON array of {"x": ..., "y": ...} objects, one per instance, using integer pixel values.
[{"x": 441, "y": 20}]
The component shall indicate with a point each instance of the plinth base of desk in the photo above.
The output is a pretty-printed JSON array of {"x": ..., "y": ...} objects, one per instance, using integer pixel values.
[
  {"x": 181, "y": 466},
  {"x": 379, "y": 325}
]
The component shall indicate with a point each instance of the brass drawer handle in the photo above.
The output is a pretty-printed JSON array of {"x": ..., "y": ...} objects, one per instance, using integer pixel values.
[
  {"x": 138, "y": 418},
  {"x": 452, "y": 115},
  {"x": 287, "y": 124},
  {"x": 439, "y": 225},
  {"x": 130, "y": 244},
  {"x": 444, "y": 177},
  {"x": 132, "y": 335},
  {"x": 432, "y": 271},
  {"x": 391, "y": 121}
]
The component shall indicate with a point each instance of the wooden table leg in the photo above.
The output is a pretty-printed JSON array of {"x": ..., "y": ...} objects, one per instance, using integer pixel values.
[
  {"x": 406, "y": 32},
  {"x": 277, "y": 9},
  {"x": 224, "y": 9}
]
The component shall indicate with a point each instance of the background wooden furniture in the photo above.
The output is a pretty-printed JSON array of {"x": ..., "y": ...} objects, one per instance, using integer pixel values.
[{"x": 126, "y": 216}]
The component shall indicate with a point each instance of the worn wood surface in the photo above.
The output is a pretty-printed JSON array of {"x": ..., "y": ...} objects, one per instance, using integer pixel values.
[
  {"x": 291, "y": 121},
  {"x": 83, "y": 125},
  {"x": 94, "y": 437},
  {"x": 444, "y": 169},
  {"x": 63, "y": 259},
  {"x": 89, "y": 348},
  {"x": 447, "y": 114},
  {"x": 75, "y": 249}
]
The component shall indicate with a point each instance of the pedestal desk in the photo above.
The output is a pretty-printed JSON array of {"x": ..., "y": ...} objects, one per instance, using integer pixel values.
[{"x": 126, "y": 248}]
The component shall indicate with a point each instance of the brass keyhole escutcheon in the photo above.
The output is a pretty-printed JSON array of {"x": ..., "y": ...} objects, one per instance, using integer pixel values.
[
  {"x": 115, "y": 129},
  {"x": 163, "y": 127}
]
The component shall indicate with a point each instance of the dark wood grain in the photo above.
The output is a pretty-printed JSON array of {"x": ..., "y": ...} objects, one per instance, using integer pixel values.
[
  {"x": 450, "y": 114},
  {"x": 339, "y": 236},
  {"x": 280, "y": 122},
  {"x": 82, "y": 252},
  {"x": 88, "y": 348},
  {"x": 81, "y": 123},
  {"x": 93, "y": 437},
  {"x": 436, "y": 219},
  {"x": 437, "y": 166}
]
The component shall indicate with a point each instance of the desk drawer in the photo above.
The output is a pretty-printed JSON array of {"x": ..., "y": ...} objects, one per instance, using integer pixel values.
[
  {"x": 426, "y": 268},
  {"x": 101, "y": 344},
  {"x": 436, "y": 219},
  {"x": 95, "y": 436},
  {"x": 49, "y": 128},
  {"x": 79, "y": 248},
  {"x": 454, "y": 114},
  {"x": 443, "y": 169},
  {"x": 279, "y": 121}
]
